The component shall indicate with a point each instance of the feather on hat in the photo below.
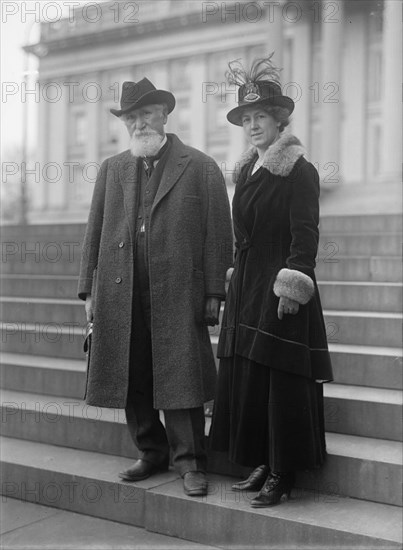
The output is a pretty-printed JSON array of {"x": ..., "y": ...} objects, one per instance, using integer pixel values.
[{"x": 259, "y": 85}]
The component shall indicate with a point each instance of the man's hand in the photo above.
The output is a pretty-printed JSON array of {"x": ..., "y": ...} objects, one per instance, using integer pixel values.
[
  {"x": 88, "y": 308},
  {"x": 286, "y": 305},
  {"x": 229, "y": 273},
  {"x": 212, "y": 311}
]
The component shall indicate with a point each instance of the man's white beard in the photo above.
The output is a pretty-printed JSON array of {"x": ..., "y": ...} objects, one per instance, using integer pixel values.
[{"x": 147, "y": 144}]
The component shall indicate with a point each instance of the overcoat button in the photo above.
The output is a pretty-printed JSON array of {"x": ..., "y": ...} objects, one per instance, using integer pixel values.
[
  {"x": 118, "y": 280},
  {"x": 121, "y": 245}
]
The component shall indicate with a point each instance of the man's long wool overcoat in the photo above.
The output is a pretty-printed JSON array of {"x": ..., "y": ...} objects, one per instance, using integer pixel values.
[{"x": 190, "y": 250}]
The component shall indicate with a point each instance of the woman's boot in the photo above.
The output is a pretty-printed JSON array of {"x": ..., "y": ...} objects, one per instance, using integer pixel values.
[
  {"x": 255, "y": 481},
  {"x": 276, "y": 485}
]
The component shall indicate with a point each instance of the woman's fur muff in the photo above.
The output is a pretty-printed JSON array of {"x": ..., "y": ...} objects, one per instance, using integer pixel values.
[{"x": 294, "y": 285}]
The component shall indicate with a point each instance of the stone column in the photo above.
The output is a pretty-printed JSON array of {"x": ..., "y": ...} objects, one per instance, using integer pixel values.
[
  {"x": 92, "y": 146},
  {"x": 160, "y": 79},
  {"x": 198, "y": 107},
  {"x": 330, "y": 88},
  {"x": 159, "y": 75},
  {"x": 40, "y": 194},
  {"x": 392, "y": 82},
  {"x": 301, "y": 81},
  {"x": 275, "y": 39},
  {"x": 54, "y": 171},
  {"x": 354, "y": 125}
]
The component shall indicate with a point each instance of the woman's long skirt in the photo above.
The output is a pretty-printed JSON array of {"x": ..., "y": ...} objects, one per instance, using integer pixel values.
[{"x": 266, "y": 416}]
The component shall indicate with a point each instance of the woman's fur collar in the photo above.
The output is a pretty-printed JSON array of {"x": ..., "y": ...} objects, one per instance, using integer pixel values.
[{"x": 279, "y": 158}]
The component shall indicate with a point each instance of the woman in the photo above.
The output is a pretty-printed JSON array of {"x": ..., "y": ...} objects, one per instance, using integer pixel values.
[{"x": 268, "y": 412}]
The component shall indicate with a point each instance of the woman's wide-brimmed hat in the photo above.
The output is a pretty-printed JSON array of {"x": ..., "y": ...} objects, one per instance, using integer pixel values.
[
  {"x": 259, "y": 93},
  {"x": 258, "y": 86},
  {"x": 139, "y": 94}
]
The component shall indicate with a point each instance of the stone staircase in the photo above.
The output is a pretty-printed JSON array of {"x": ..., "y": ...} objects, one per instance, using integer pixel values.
[{"x": 57, "y": 451}]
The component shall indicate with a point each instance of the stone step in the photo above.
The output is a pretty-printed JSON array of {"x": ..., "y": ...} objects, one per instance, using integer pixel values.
[
  {"x": 169, "y": 506},
  {"x": 331, "y": 245},
  {"x": 368, "y": 328},
  {"x": 65, "y": 422},
  {"x": 337, "y": 268},
  {"x": 50, "y": 249},
  {"x": 52, "y": 374},
  {"x": 39, "y": 286},
  {"x": 329, "y": 268},
  {"x": 25, "y": 524},
  {"x": 51, "y": 256},
  {"x": 359, "y": 268},
  {"x": 60, "y": 340},
  {"x": 44, "y": 375},
  {"x": 61, "y": 254},
  {"x": 367, "y": 412},
  {"x": 370, "y": 366},
  {"x": 65, "y": 339},
  {"x": 87, "y": 482},
  {"x": 59, "y": 264},
  {"x": 355, "y": 456},
  {"x": 70, "y": 422},
  {"x": 68, "y": 232},
  {"x": 352, "y": 365},
  {"x": 344, "y": 327},
  {"x": 354, "y": 410},
  {"x": 372, "y": 223},
  {"x": 16, "y": 309},
  {"x": 353, "y": 463},
  {"x": 374, "y": 296}
]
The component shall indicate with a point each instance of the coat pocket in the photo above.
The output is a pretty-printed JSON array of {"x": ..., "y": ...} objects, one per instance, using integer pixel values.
[
  {"x": 192, "y": 198},
  {"x": 198, "y": 273}
]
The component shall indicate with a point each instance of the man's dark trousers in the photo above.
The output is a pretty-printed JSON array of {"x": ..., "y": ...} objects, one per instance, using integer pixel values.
[{"x": 184, "y": 428}]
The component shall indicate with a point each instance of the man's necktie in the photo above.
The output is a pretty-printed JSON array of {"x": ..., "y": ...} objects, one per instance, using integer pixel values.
[
  {"x": 149, "y": 161},
  {"x": 149, "y": 165}
]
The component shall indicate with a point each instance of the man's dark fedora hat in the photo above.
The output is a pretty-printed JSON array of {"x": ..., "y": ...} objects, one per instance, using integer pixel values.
[
  {"x": 261, "y": 92},
  {"x": 138, "y": 94}
]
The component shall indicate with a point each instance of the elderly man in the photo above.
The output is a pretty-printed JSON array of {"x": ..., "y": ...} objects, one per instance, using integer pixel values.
[{"x": 157, "y": 247}]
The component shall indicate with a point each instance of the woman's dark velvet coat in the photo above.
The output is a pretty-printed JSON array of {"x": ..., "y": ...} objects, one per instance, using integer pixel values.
[{"x": 276, "y": 228}]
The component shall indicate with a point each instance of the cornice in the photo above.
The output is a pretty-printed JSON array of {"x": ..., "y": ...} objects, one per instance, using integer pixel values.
[
  {"x": 140, "y": 52},
  {"x": 113, "y": 35}
]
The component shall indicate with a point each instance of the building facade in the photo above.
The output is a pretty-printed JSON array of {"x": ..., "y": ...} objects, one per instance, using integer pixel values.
[{"x": 341, "y": 65}]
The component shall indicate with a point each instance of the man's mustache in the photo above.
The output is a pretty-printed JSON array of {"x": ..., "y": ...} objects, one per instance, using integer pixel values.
[{"x": 145, "y": 134}]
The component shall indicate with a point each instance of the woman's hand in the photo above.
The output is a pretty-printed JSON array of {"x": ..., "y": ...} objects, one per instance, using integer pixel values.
[
  {"x": 212, "y": 311},
  {"x": 286, "y": 305},
  {"x": 88, "y": 308}
]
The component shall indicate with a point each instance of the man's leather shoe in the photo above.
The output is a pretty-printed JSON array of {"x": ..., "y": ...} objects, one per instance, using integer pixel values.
[
  {"x": 195, "y": 484},
  {"x": 255, "y": 481},
  {"x": 142, "y": 469}
]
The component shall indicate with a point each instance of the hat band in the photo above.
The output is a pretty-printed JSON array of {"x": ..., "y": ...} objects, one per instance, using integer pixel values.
[
  {"x": 255, "y": 91},
  {"x": 251, "y": 93}
]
